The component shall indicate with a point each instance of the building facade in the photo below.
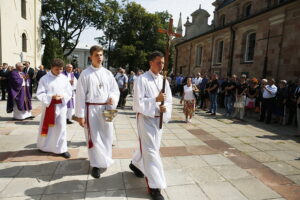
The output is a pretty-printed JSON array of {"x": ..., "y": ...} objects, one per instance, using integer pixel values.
[
  {"x": 259, "y": 38},
  {"x": 81, "y": 56},
  {"x": 20, "y": 31}
]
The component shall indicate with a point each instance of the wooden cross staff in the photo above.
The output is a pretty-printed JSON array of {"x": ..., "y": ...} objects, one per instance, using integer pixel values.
[{"x": 169, "y": 33}]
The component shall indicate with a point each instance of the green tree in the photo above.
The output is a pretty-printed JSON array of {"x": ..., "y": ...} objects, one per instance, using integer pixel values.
[
  {"x": 110, "y": 14},
  {"x": 52, "y": 50},
  {"x": 65, "y": 20},
  {"x": 138, "y": 36}
]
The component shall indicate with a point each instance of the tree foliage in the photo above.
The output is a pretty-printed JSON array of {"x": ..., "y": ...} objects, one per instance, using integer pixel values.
[
  {"x": 138, "y": 36},
  {"x": 65, "y": 20},
  {"x": 110, "y": 14},
  {"x": 52, "y": 50}
]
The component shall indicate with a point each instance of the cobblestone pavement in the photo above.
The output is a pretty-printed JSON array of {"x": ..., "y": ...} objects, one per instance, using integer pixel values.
[{"x": 210, "y": 158}]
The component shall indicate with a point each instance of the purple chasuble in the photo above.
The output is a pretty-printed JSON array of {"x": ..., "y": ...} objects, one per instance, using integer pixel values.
[
  {"x": 70, "y": 103},
  {"x": 17, "y": 93}
]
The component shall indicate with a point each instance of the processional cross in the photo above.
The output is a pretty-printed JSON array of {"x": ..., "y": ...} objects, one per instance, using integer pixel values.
[{"x": 170, "y": 34}]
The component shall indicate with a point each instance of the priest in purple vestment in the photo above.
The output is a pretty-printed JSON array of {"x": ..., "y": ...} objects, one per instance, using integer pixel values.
[
  {"x": 19, "y": 98},
  {"x": 68, "y": 72}
]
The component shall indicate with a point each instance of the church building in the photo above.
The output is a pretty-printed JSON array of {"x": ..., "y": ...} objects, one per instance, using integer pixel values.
[
  {"x": 259, "y": 38},
  {"x": 20, "y": 31}
]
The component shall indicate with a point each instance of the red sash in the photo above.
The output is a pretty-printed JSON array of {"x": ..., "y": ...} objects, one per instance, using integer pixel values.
[{"x": 49, "y": 119}]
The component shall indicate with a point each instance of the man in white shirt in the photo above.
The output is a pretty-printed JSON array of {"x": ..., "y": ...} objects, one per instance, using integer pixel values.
[
  {"x": 147, "y": 98},
  {"x": 269, "y": 91},
  {"x": 198, "y": 80}
]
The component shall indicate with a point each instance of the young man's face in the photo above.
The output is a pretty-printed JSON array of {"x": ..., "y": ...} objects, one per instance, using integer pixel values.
[
  {"x": 157, "y": 64},
  {"x": 56, "y": 70},
  {"x": 97, "y": 58}
]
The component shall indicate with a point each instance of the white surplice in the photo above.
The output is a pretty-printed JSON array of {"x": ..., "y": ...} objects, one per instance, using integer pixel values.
[
  {"x": 49, "y": 85},
  {"x": 97, "y": 85},
  {"x": 71, "y": 111},
  {"x": 147, "y": 157}
]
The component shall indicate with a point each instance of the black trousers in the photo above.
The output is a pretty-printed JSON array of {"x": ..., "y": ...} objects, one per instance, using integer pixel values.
[
  {"x": 122, "y": 99},
  {"x": 267, "y": 107},
  {"x": 3, "y": 92}
]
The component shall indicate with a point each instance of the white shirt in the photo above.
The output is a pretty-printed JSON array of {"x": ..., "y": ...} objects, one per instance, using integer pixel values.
[
  {"x": 95, "y": 85},
  {"x": 267, "y": 94},
  {"x": 188, "y": 93},
  {"x": 69, "y": 75},
  {"x": 198, "y": 81}
]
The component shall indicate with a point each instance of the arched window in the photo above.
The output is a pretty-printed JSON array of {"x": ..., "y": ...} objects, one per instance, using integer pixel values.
[
  {"x": 250, "y": 47},
  {"x": 247, "y": 10},
  {"x": 199, "y": 50},
  {"x": 222, "y": 20},
  {"x": 24, "y": 42},
  {"x": 23, "y": 8}
]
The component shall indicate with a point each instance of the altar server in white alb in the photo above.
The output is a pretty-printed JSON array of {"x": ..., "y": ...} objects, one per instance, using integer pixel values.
[
  {"x": 96, "y": 91},
  {"x": 73, "y": 81},
  {"x": 146, "y": 160},
  {"x": 54, "y": 91}
]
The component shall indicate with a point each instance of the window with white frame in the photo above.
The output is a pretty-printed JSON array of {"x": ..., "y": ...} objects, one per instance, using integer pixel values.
[
  {"x": 250, "y": 47},
  {"x": 219, "y": 51},
  {"x": 199, "y": 50}
]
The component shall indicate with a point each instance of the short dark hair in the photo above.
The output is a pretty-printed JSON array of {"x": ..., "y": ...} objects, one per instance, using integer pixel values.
[
  {"x": 57, "y": 63},
  {"x": 5, "y": 64},
  {"x": 155, "y": 54},
  {"x": 96, "y": 48}
]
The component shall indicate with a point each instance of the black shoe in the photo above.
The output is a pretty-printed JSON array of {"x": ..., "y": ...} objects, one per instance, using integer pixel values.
[
  {"x": 69, "y": 122},
  {"x": 213, "y": 114},
  {"x": 66, "y": 155},
  {"x": 136, "y": 171},
  {"x": 208, "y": 111},
  {"x": 95, "y": 172},
  {"x": 155, "y": 194},
  {"x": 260, "y": 120},
  {"x": 14, "y": 119}
]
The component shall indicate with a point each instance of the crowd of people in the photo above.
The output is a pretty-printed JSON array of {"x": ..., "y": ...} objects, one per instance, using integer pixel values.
[{"x": 274, "y": 102}]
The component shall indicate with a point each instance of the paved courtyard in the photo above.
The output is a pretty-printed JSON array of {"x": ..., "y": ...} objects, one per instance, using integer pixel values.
[{"x": 211, "y": 158}]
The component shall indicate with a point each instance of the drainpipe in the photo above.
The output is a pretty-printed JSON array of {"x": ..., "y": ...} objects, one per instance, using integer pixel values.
[
  {"x": 211, "y": 53},
  {"x": 190, "y": 60},
  {"x": 176, "y": 61},
  {"x": 280, "y": 46},
  {"x": 231, "y": 52}
]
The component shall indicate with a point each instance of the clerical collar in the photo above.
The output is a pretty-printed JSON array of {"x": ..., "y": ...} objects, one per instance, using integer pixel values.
[
  {"x": 96, "y": 68},
  {"x": 153, "y": 75},
  {"x": 53, "y": 74}
]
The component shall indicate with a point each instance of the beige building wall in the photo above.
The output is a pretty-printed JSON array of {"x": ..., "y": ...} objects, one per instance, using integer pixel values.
[
  {"x": 281, "y": 21},
  {"x": 13, "y": 25}
]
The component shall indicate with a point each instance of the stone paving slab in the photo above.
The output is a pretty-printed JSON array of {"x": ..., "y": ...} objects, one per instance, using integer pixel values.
[{"x": 213, "y": 158}]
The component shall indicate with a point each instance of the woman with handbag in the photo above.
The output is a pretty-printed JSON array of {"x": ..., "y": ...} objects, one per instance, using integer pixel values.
[
  {"x": 189, "y": 99},
  {"x": 240, "y": 102}
]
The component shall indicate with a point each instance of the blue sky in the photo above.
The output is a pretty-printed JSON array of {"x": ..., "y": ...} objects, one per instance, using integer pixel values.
[{"x": 186, "y": 7}]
